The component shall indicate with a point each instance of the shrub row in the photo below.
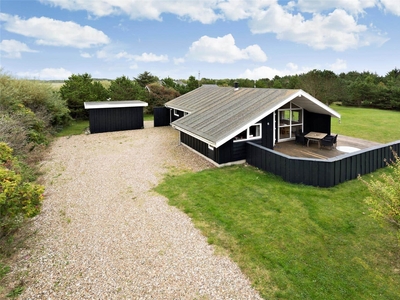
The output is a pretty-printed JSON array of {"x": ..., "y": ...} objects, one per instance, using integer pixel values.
[
  {"x": 18, "y": 199},
  {"x": 29, "y": 112}
]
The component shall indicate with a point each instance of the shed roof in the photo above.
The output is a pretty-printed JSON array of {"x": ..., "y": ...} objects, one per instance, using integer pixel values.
[
  {"x": 217, "y": 114},
  {"x": 114, "y": 104}
]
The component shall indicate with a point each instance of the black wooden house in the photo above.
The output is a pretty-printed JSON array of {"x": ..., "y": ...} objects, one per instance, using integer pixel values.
[
  {"x": 115, "y": 115},
  {"x": 218, "y": 121}
]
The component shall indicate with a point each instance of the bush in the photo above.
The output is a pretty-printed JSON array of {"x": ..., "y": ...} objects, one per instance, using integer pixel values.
[
  {"x": 18, "y": 199},
  {"x": 159, "y": 95},
  {"x": 38, "y": 97},
  {"x": 122, "y": 88},
  {"x": 79, "y": 89},
  {"x": 29, "y": 112},
  {"x": 384, "y": 201}
]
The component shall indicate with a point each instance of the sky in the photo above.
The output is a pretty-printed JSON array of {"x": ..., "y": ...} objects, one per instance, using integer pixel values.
[{"x": 216, "y": 39}]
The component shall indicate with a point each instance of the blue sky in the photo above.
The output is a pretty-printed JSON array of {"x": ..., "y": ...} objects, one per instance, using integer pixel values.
[{"x": 52, "y": 39}]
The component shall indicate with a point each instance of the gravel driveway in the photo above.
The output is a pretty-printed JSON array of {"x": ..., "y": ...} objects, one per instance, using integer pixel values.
[{"x": 103, "y": 234}]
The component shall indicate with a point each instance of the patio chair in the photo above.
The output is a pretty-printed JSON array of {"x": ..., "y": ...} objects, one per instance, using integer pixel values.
[
  {"x": 300, "y": 138},
  {"x": 329, "y": 141},
  {"x": 335, "y": 141}
]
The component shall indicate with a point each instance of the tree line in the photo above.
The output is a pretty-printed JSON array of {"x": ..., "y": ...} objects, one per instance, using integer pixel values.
[
  {"x": 362, "y": 89},
  {"x": 82, "y": 88}
]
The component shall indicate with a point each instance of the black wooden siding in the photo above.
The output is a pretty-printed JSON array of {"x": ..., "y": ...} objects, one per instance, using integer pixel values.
[
  {"x": 115, "y": 119},
  {"x": 161, "y": 116},
  {"x": 322, "y": 173},
  {"x": 312, "y": 122},
  {"x": 231, "y": 151},
  {"x": 196, "y": 144},
  {"x": 316, "y": 122},
  {"x": 174, "y": 117}
]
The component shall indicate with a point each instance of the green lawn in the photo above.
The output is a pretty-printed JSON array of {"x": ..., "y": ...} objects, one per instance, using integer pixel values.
[
  {"x": 76, "y": 127},
  {"x": 293, "y": 241},
  {"x": 376, "y": 125},
  {"x": 296, "y": 241}
]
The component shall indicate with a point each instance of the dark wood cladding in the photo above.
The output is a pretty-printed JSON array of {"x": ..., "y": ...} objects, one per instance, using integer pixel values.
[
  {"x": 317, "y": 122},
  {"x": 161, "y": 116},
  {"x": 226, "y": 153},
  {"x": 115, "y": 119},
  {"x": 322, "y": 173},
  {"x": 179, "y": 115},
  {"x": 195, "y": 144}
]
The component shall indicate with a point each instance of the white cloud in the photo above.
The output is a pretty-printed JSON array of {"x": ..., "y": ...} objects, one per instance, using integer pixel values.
[
  {"x": 223, "y": 50},
  {"x": 392, "y": 6},
  {"x": 178, "y": 61},
  {"x": 125, "y": 55},
  {"x": 134, "y": 66},
  {"x": 268, "y": 72},
  {"x": 334, "y": 23},
  {"x": 102, "y": 54},
  {"x": 338, "y": 65},
  {"x": 109, "y": 53},
  {"x": 52, "y": 32},
  {"x": 47, "y": 74},
  {"x": 352, "y": 6},
  {"x": 292, "y": 66},
  {"x": 86, "y": 55},
  {"x": 261, "y": 72},
  {"x": 242, "y": 9},
  {"x": 202, "y": 11},
  {"x": 337, "y": 30},
  {"x": 13, "y": 48},
  {"x": 150, "y": 57}
]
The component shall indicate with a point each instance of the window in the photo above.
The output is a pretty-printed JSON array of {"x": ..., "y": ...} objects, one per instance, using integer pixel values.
[
  {"x": 253, "y": 132},
  {"x": 290, "y": 120}
]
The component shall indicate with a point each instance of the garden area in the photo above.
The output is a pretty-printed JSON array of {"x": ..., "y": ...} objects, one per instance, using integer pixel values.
[
  {"x": 295, "y": 241},
  {"x": 292, "y": 241}
]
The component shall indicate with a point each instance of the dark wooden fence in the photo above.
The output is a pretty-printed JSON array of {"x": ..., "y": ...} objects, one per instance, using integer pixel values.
[{"x": 322, "y": 173}]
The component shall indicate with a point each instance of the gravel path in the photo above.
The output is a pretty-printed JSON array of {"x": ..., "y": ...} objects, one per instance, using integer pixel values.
[{"x": 103, "y": 234}]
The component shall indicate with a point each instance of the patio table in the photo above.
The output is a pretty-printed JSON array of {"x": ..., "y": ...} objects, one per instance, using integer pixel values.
[{"x": 315, "y": 136}]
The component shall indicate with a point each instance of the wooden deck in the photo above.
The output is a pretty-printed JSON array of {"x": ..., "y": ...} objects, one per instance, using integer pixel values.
[{"x": 343, "y": 143}]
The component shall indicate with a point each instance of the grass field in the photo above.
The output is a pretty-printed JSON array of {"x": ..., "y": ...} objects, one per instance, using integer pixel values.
[
  {"x": 293, "y": 241},
  {"x": 296, "y": 241},
  {"x": 376, "y": 125}
]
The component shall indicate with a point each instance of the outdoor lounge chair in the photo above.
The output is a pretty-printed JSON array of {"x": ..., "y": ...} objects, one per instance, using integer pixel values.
[
  {"x": 300, "y": 139},
  {"x": 329, "y": 141}
]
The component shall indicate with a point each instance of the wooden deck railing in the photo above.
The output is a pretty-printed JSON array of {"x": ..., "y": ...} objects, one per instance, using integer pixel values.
[{"x": 322, "y": 173}]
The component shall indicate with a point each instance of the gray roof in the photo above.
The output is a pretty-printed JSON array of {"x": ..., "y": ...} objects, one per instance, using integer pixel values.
[
  {"x": 114, "y": 104},
  {"x": 217, "y": 114}
]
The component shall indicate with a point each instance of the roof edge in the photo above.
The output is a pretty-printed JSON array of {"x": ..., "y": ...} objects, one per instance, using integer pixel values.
[
  {"x": 320, "y": 104},
  {"x": 194, "y": 135},
  {"x": 114, "y": 104}
]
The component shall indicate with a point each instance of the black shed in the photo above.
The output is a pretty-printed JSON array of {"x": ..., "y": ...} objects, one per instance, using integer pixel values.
[{"x": 115, "y": 115}]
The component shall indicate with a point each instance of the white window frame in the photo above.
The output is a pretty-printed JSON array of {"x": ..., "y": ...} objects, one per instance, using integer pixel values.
[
  {"x": 248, "y": 137},
  {"x": 292, "y": 107}
]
